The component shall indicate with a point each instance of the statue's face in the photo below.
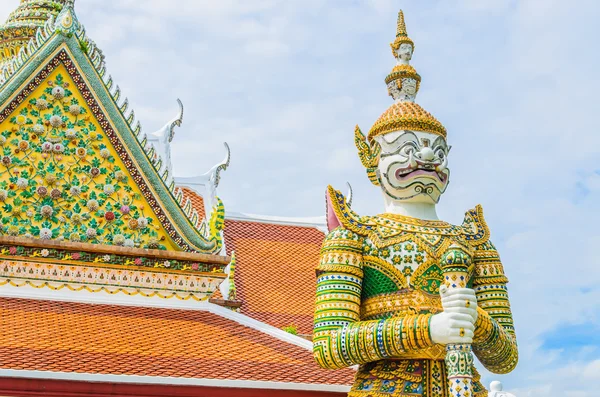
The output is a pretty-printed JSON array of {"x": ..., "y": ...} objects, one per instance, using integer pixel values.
[
  {"x": 409, "y": 86},
  {"x": 413, "y": 166},
  {"x": 404, "y": 52}
]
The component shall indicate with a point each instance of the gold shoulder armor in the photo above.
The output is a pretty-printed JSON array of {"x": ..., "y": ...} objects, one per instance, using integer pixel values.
[
  {"x": 340, "y": 214},
  {"x": 474, "y": 228}
]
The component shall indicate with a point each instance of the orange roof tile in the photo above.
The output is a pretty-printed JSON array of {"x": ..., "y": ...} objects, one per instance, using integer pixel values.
[
  {"x": 196, "y": 199},
  {"x": 275, "y": 271},
  {"x": 217, "y": 294},
  {"x": 109, "y": 339}
]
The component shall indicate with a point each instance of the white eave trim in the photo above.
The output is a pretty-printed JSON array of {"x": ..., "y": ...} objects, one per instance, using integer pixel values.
[
  {"x": 165, "y": 380},
  {"x": 192, "y": 182},
  {"x": 83, "y": 296}
]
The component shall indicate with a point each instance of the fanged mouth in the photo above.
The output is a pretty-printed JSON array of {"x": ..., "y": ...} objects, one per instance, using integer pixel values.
[{"x": 407, "y": 173}]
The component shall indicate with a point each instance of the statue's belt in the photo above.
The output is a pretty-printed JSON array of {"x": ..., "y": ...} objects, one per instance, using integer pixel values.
[{"x": 436, "y": 352}]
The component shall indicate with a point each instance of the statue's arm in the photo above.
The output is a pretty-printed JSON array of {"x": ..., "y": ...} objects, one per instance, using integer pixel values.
[
  {"x": 340, "y": 338},
  {"x": 494, "y": 342}
]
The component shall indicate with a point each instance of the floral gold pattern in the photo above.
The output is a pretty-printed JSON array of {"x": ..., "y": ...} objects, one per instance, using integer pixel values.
[
  {"x": 62, "y": 41},
  {"x": 60, "y": 177}
]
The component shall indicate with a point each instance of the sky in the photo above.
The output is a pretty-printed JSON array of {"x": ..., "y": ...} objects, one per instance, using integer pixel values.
[{"x": 285, "y": 82}]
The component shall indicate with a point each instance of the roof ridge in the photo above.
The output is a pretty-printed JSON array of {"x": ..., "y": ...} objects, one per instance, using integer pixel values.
[{"x": 317, "y": 222}]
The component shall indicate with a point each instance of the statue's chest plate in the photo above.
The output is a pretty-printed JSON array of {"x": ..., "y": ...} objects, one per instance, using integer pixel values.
[
  {"x": 406, "y": 257},
  {"x": 409, "y": 263}
]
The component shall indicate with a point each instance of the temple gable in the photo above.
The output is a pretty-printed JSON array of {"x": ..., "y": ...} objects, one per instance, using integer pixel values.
[
  {"x": 75, "y": 165},
  {"x": 62, "y": 178}
]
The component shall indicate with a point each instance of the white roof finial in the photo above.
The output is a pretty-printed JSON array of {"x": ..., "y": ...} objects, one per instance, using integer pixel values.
[{"x": 177, "y": 122}]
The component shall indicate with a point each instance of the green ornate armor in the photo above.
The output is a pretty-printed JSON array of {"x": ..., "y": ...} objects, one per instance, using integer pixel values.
[{"x": 378, "y": 284}]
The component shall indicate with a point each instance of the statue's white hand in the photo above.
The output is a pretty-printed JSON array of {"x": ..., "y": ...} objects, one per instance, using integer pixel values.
[
  {"x": 451, "y": 327},
  {"x": 459, "y": 300},
  {"x": 456, "y": 323}
]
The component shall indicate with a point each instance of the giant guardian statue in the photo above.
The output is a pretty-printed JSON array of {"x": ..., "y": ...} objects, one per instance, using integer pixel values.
[{"x": 405, "y": 296}]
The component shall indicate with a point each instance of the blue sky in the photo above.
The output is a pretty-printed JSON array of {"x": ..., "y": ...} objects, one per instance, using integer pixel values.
[{"x": 284, "y": 82}]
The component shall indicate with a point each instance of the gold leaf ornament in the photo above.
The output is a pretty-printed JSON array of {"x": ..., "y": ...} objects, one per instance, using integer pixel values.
[{"x": 368, "y": 155}]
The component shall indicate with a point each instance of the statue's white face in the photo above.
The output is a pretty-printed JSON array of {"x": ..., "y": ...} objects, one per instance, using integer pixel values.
[
  {"x": 404, "y": 52},
  {"x": 409, "y": 86},
  {"x": 413, "y": 166}
]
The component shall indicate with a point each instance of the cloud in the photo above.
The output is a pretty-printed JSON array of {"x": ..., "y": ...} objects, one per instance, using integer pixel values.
[{"x": 576, "y": 379}]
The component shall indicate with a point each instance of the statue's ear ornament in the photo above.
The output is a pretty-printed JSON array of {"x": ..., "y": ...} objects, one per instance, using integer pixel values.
[{"x": 368, "y": 154}]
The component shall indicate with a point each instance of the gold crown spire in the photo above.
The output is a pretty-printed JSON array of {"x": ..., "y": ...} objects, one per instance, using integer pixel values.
[
  {"x": 401, "y": 35},
  {"x": 403, "y": 85},
  {"x": 23, "y": 22},
  {"x": 401, "y": 29}
]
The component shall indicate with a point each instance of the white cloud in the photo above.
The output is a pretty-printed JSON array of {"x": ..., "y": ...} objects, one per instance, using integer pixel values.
[
  {"x": 575, "y": 379},
  {"x": 591, "y": 371}
]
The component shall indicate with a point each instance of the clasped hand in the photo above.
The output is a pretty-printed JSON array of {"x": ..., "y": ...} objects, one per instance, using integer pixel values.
[{"x": 456, "y": 324}]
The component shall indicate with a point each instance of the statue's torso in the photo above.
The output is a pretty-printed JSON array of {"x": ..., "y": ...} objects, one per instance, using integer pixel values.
[
  {"x": 402, "y": 273},
  {"x": 402, "y": 276},
  {"x": 397, "y": 263}
]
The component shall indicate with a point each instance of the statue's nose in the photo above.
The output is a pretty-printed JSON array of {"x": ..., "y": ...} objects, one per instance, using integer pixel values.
[{"x": 426, "y": 154}]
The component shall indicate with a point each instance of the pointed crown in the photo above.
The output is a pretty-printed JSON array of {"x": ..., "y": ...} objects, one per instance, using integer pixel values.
[
  {"x": 404, "y": 114},
  {"x": 401, "y": 35}
]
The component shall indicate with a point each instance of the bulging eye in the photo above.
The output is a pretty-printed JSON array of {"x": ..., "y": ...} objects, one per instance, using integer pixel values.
[
  {"x": 440, "y": 153},
  {"x": 407, "y": 150}
]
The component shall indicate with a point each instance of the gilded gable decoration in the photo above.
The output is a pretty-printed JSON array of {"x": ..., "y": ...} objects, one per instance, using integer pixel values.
[{"x": 85, "y": 170}]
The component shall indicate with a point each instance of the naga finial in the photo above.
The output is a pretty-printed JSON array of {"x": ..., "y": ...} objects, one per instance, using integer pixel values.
[{"x": 176, "y": 122}]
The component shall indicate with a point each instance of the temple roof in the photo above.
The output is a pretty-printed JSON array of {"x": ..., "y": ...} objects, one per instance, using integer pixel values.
[
  {"x": 89, "y": 212},
  {"x": 196, "y": 200},
  {"x": 272, "y": 256},
  {"x": 275, "y": 270},
  {"x": 75, "y": 164},
  {"x": 61, "y": 337}
]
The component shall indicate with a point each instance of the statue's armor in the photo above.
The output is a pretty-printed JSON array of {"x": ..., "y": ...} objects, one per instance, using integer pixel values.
[{"x": 378, "y": 286}]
